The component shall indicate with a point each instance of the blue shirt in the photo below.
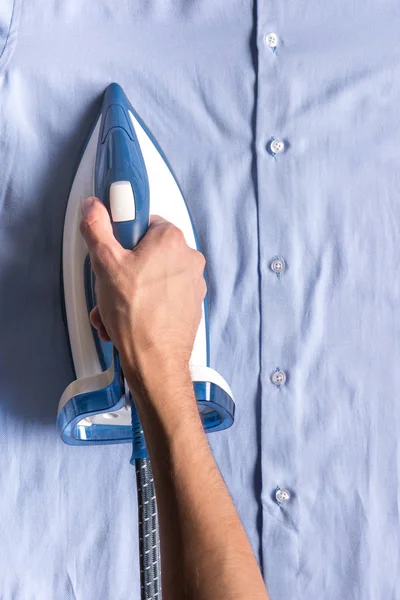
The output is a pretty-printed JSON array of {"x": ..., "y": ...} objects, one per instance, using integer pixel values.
[{"x": 287, "y": 148}]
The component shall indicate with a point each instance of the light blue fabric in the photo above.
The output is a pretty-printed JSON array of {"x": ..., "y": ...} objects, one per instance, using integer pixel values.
[{"x": 214, "y": 94}]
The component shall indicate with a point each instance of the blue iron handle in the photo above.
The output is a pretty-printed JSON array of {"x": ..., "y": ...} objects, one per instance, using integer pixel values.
[
  {"x": 121, "y": 183},
  {"x": 119, "y": 159},
  {"x": 127, "y": 194}
]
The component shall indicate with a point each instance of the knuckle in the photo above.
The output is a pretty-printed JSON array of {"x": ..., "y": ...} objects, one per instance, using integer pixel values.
[
  {"x": 174, "y": 235},
  {"x": 201, "y": 259}
]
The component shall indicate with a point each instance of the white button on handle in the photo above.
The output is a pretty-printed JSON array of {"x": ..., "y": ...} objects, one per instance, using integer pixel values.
[{"x": 122, "y": 202}]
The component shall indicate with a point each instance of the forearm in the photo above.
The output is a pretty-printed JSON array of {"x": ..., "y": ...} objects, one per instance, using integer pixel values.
[
  {"x": 150, "y": 302},
  {"x": 205, "y": 551}
]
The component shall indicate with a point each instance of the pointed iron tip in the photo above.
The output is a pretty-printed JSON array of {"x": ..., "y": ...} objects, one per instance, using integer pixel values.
[{"x": 114, "y": 94}]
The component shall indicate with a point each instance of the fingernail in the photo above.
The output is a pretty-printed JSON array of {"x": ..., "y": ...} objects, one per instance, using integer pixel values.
[{"x": 86, "y": 205}]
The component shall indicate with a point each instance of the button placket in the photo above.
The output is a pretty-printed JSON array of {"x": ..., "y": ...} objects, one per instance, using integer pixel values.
[{"x": 276, "y": 148}]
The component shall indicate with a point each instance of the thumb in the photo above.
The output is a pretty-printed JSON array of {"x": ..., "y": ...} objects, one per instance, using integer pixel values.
[{"x": 96, "y": 227}]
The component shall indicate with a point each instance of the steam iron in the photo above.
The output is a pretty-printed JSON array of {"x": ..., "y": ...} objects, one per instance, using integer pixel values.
[{"x": 123, "y": 165}]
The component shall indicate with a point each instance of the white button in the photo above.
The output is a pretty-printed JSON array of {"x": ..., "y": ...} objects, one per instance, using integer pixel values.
[
  {"x": 282, "y": 495},
  {"x": 278, "y": 265},
  {"x": 278, "y": 378},
  {"x": 277, "y": 146},
  {"x": 122, "y": 202},
  {"x": 271, "y": 39}
]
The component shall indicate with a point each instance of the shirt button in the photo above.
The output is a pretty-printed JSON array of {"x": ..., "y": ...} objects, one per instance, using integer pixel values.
[
  {"x": 278, "y": 378},
  {"x": 271, "y": 39},
  {"x": 282, "y": 495},
  {"x": 278, "y": 265},
  {"x": 277, "y": 146}
]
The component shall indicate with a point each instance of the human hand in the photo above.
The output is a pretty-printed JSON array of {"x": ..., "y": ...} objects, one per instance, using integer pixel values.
[{"x": 149, "y": 299}]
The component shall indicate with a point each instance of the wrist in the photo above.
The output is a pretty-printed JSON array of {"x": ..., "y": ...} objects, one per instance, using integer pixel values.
[
  {"x": 161, "y": 382},
  {"x": 153, "y": 361}
]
